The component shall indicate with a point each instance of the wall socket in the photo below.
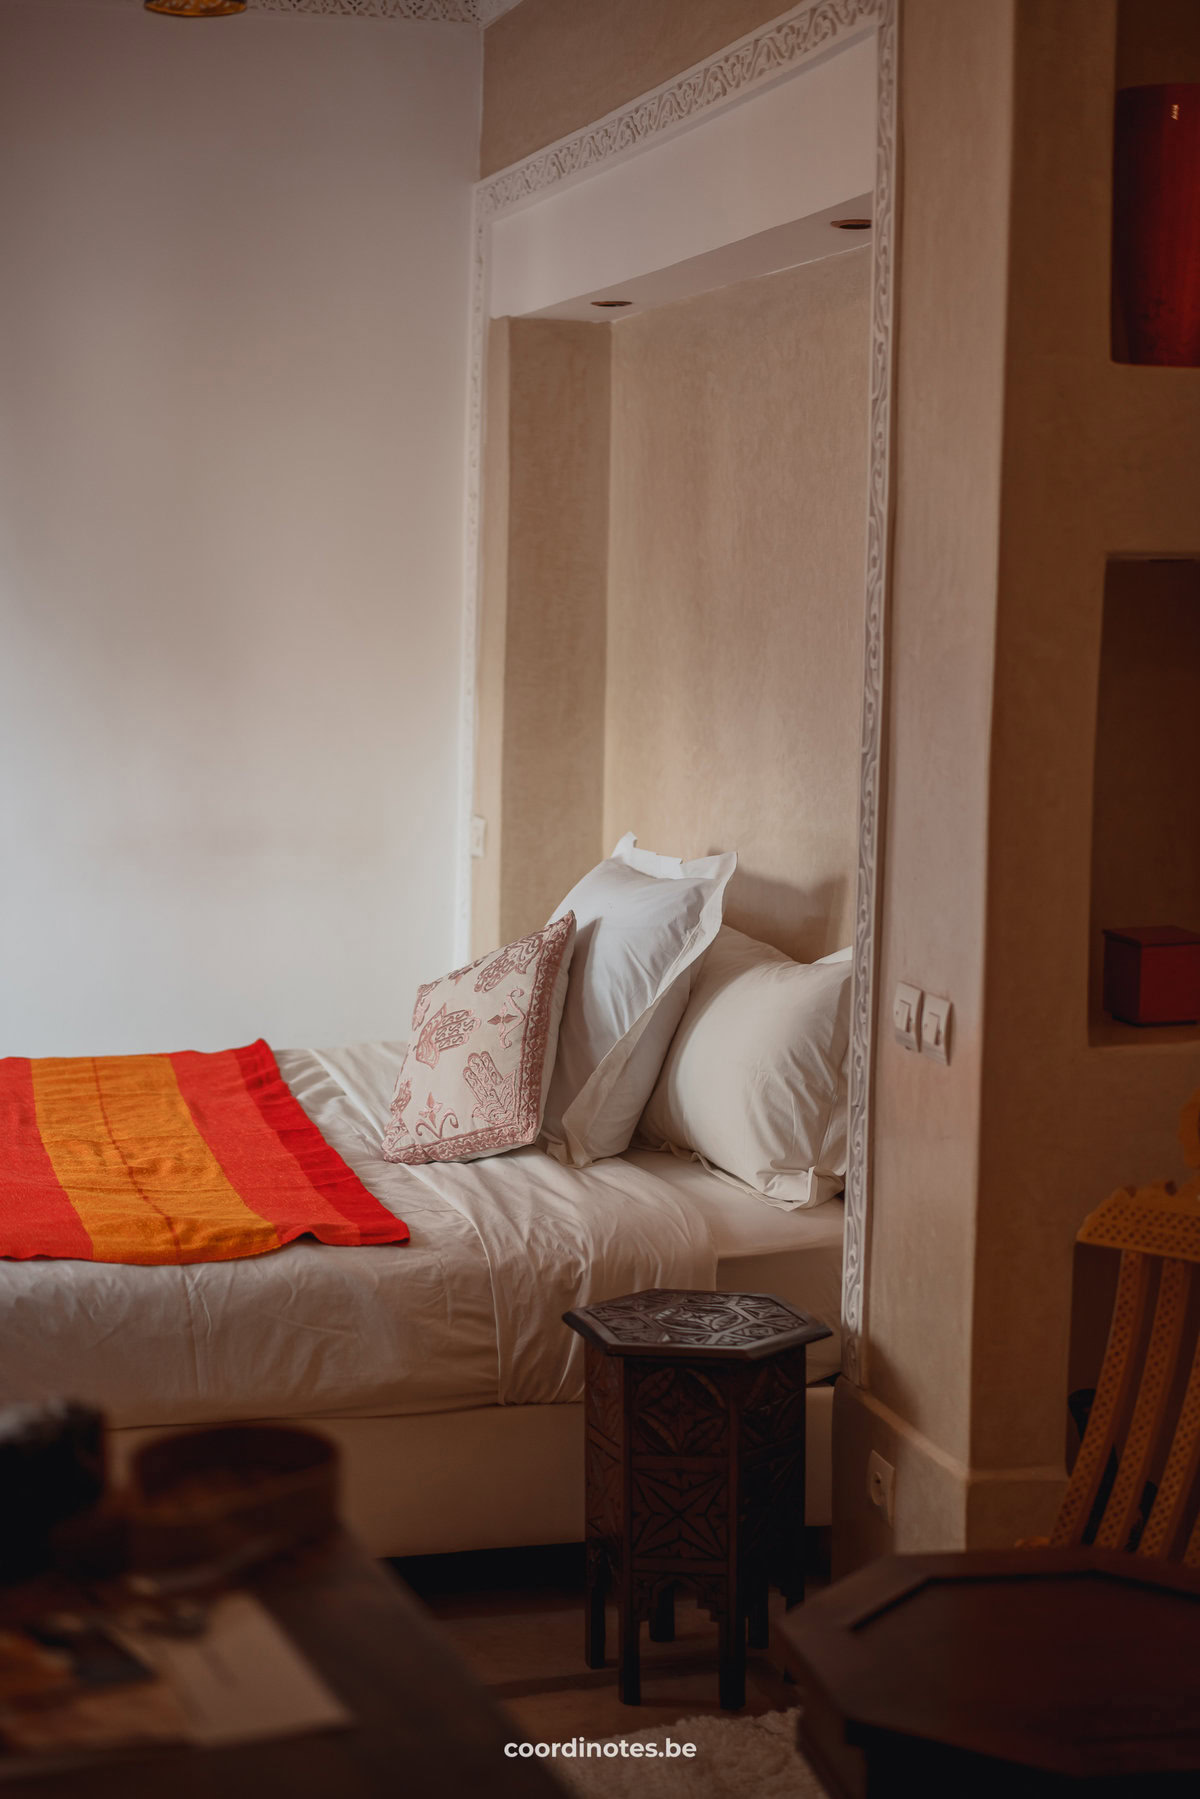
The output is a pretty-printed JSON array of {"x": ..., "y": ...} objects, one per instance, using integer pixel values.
[{"x": 881, "y": 1484}]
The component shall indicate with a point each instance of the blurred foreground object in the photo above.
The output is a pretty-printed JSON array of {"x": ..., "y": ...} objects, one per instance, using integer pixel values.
[{"x": 52, "y": 1469}]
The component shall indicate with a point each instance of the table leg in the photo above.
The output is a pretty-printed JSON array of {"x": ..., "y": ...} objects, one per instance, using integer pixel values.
[
  {"x": 662, "y": 1618},
  {"x": 596, "y": 1592},
  {"x": 758, "y": 1616},
  {"x": 788, "y": 1558},
  {"x": 733, "y": 1660},
  {"x": 791, "y": 1571},
  {"x": 629, "y": 1681}
]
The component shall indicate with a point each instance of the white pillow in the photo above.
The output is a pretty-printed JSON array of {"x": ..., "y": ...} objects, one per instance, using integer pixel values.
[
  {"x": 755, "y": 1081},
  {"x": 641, "y": 924}
]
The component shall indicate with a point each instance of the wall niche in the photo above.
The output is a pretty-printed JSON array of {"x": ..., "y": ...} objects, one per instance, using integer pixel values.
[
  {"x": 1156, "y": 184},
  {"x": 1146, "y": 799}
]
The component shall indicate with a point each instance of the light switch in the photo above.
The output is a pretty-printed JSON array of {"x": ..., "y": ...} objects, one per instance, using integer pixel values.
[
  {"x": 935, "y": 1027},
  {"x": 906, "y": 1016},
  {"x": 478, "y": 835}
]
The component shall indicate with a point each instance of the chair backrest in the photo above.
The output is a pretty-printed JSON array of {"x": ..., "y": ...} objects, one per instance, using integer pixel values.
[{"x": 1144, "y": 1422}]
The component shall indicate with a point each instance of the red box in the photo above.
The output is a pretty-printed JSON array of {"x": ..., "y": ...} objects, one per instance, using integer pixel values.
[{"x": 1152, "y": 974}]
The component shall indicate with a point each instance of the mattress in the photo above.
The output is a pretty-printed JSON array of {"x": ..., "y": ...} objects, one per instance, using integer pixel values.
[
  {"x": 467, "y": 1314},
  {"x": 795, "y": 1255}
]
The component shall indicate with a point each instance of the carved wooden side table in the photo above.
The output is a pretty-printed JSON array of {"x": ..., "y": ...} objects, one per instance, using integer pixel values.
[{"x": 695, "y": 1466}]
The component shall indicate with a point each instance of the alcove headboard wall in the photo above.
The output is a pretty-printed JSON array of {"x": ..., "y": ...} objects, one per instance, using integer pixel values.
[
  {"x": 673, "y": 599},
  {"x": 737, "y": 541}
]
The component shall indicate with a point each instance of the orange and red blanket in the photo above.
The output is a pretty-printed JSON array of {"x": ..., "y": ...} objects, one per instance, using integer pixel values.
[{"x": 184, "y": 1158}]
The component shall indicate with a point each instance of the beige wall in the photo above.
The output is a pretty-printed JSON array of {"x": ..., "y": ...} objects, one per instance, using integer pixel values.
[
  {"x": 949, "y": 365},
  {"x": 1100, "y": 459},
  {"x": 736, "y": 571},
  {"x": 1025, "y": 459},
  {"x": 551, "y": 66},
  {"x": 540, "y": 739},
  {"x": 671, "y": 634}
]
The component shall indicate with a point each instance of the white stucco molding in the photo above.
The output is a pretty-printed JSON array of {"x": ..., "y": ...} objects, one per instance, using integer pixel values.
[{"x": 453, "y": 12}]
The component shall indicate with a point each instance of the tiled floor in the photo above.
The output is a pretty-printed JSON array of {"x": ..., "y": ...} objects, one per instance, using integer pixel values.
[{"x": 516, "y": 1618}]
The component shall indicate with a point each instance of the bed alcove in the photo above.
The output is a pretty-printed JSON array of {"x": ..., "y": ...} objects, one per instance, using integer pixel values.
[{"x": 673, "y": 528}]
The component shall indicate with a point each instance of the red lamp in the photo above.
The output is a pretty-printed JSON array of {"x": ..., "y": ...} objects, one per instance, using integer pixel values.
[{"x": 1156, "y": 225}]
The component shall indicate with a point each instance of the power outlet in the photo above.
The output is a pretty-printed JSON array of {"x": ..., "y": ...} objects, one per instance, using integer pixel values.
[{"x": 881, "y": 1484}]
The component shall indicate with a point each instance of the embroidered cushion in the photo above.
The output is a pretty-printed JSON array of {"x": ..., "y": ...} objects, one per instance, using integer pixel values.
[{"x": 477, "y": 1069}]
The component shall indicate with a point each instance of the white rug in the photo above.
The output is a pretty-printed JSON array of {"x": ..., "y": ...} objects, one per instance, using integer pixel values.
[{"x": 736, "y": 1758}]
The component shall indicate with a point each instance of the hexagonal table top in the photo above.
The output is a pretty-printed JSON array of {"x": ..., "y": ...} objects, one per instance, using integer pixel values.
[
  {"x": 682, "y": 1321},
  {"x": 1065, "y": 1667}
]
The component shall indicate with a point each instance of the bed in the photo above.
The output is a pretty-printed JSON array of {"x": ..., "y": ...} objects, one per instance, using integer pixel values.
[{"x": 440, "y": 1367}]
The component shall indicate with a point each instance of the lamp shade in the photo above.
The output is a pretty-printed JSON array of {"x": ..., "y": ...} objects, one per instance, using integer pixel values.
[
  {"x": 196, "y": 9},
  {"x": 1156, "y": 224}
]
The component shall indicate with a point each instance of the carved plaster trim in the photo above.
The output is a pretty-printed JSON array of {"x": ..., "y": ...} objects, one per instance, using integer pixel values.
[
  {"x": 753, "y": 62},
  {"x": 869, "y": 889},
  {"x": 454, "y": 12}
]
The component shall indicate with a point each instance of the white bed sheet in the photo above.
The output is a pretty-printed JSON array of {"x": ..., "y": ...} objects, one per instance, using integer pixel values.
[
  {"x": 466, "y": 1314},
  {"x": 761, "y": 1249}
]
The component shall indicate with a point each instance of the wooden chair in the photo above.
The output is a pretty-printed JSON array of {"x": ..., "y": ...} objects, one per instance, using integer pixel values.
[{"x": 1144, "y": 1422}]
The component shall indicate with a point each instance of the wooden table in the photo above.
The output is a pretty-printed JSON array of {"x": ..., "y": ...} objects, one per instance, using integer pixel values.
[
  {"x": 695, "y": 1411},
  {"x": 423, "y": 1725},
  {"x": 1033, "y": 1672}
]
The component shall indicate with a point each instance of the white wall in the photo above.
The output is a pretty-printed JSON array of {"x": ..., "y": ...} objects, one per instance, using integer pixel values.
[{"x": 232, "y": 399}]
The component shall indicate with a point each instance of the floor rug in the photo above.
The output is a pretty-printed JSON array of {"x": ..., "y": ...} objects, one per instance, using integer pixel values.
[{"x": 736, "y": 1758}]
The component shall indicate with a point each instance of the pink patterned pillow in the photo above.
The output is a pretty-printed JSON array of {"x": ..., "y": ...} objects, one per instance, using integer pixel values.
[{"x": 475, "y": 1075}]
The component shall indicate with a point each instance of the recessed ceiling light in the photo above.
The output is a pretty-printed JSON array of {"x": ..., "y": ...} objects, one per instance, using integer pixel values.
[
  {"x": 851, "y": 224},
  {"x": 612, "y": 302}
]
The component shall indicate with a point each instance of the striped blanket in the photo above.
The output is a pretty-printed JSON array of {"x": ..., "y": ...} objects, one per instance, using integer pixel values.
[{"x": 184, "y": 1158}]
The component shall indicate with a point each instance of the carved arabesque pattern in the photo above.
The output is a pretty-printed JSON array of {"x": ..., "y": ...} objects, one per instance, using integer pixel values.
[
  {"x": 678, "y": 1411},
  {"x": 695, "y": 1472},
  {"x": 604, "y": 1401},
  {"x": 680, "y": 1513},
  {"x": 453, "y": 12},
  {"x": 773, "y": 1408},
  {"x": 869, "y": 885},
  {"x": 603, "y": 1477},
  {"x": 754, "y": 60},
  {"x": 689, "y": 1318}
]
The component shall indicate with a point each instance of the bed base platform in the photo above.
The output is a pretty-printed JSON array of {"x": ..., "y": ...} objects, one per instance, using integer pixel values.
[{"x": 496, "y": 1477}]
